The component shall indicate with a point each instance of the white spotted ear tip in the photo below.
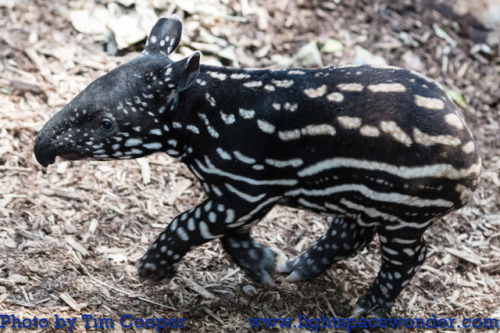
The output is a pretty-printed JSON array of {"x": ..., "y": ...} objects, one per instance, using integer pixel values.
[
  {"x": 174, "y": 17},
  {"x": 171, "y": 17},
  {"x": 195, "y": 54}
]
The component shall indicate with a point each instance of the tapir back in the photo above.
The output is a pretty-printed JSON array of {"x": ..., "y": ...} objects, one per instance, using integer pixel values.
[{"x": 355, "y": 122}]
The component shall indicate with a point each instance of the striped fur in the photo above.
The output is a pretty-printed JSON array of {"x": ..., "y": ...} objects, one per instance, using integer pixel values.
[{"x": 380, "y": 149}]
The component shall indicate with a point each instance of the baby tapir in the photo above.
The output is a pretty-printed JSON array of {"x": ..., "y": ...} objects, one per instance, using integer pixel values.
[{"x": 380, "y": 149}]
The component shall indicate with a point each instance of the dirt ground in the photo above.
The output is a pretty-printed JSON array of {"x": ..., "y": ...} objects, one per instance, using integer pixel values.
[{"x": 71, "y": 234}]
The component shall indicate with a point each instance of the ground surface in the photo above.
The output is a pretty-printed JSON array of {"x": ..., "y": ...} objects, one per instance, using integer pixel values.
[{"x": 70, "y": 235}]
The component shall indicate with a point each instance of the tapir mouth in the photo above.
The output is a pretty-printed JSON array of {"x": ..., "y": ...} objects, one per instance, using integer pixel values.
[
  {"x": 71, "y": 156},
  {"x": 48, "y": 159},
  {"x": 45, "y": 161},
  {"x": 46, "y": 152}
]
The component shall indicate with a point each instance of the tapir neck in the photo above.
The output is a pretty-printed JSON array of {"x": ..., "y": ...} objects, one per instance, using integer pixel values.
[{"x": 209, "y": 106}]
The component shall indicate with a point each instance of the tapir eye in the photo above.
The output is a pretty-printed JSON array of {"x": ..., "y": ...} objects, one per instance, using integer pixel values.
[{"x": 106, "y": 125}]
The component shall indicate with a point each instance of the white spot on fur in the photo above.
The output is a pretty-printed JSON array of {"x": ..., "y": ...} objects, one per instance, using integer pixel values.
[
  {"x": 212, "y": 132},
  {"x": 429, "y": 103},
  {"x": 291, "y": 107},
  {"x": 204, "y": 232},
  {"x": 310, "y": 130},
  {"x": 269, "y": 87},
  {"x": 243, "y": 158},
  {"x": 283, "y": 83},
  {"x": 370, "y": 131},
  {"x": 240, "y": 76},
  {"x": 391, "y": 128},
  {"x": 173, "y": 152},
  {"x": 218, "y": 76},
  {"x": 212, "y": 217},
  {"x": 323, "y": 129},
  {"x": 469, "y": 147},
  {"x": 228, "y": 119},
  {"x": 210, "y": 99},
  {"x": 349, "y": 122},
  {"x": 152, "y": 145},
  {"x": 155, "y": 131},
  {"x": 182, "y": 234},
  {"x": 265, "y": 126},
  {"x": 210, "y": 129},
  {"x": 133, "y": 142},
  {"x": 247, "y": 114},
  {"x": 252, "y": 84},
  {"x": 335, "y": 97},
  {"x": 243, "y": 195},
  {"x": 217, "y": 191},
  {"x": 289, "y": 135},
  {"x": 223, "y": 154},
  {"x": 193, "y": 129},
  {"x": 387, "y": 87},
  {"x": 229, "y": 216},
  {"x": 315, "y": 92},
  {"x": 453, "y": 120},
  {"x": 294, "y": 162},
  {"x": 430, "y": 140},
  {"x": 350, "y": 87},
  {"x": 465, "y": 192}
]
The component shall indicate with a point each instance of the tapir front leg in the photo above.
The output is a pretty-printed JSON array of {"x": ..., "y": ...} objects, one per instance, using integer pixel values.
[
  {"x": 211, "y": 219},
  {"x": 256, "y": 260}
]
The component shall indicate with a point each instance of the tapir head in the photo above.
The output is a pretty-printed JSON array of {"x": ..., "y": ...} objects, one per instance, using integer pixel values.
[{"x": 126, "y": 113}]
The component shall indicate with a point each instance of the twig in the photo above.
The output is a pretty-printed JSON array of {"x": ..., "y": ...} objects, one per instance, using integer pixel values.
[
  {"x": 129, "y": 294},
  {"x": 17, "y": 169}
]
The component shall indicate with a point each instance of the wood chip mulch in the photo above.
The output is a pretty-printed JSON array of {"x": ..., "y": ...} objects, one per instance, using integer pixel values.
[{"x": 71, "y": 234}]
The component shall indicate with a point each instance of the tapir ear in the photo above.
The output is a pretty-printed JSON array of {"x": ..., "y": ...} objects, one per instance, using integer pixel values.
[
  {"x": 190, "y": 68},
  {"x": 164, "y": 36}
]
